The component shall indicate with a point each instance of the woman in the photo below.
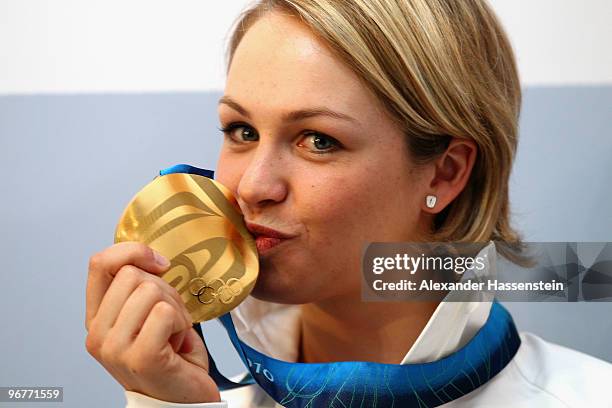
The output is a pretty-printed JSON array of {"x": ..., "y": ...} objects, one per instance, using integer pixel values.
[{"x": 345, "y": 123}]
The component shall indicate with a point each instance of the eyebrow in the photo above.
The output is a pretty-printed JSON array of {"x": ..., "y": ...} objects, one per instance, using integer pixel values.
[{"x": 293, "y": 116}]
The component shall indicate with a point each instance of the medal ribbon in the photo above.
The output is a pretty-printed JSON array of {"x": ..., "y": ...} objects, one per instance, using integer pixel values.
[{"x": 360, "y": 383}]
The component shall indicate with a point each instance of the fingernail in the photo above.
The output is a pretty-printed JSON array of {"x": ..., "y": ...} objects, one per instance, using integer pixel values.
[{"x": 160, "y": 259}]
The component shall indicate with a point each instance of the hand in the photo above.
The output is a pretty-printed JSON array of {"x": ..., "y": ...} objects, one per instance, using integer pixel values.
[{"x": 139, "y": 329}]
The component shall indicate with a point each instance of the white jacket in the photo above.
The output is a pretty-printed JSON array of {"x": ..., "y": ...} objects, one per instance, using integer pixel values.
[{"x": 541, "y": 374}]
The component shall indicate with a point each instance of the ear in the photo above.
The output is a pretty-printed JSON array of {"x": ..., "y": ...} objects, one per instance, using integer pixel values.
[{"x": 451, "y": 173}]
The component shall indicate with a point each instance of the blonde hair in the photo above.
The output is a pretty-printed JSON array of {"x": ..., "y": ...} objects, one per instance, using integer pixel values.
[{"x": 442, "y": 69}]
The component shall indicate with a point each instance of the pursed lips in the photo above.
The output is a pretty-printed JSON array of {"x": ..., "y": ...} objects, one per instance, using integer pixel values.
[{"x": 267, "y": 238}]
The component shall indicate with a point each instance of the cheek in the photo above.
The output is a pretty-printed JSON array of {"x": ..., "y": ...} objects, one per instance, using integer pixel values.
[
  {"x": 229, "y": 171},
  {"x": 350, "y": 211},
  {"x": 335, "y": 213},
  {"x": 338, "y": 219}
]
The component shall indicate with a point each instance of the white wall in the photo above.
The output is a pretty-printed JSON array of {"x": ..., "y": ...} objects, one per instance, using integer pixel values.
[
  {"x": 68, "y": 46},
  {"x": 113, "y": 45},
  {"x": 560, "y": 42}
]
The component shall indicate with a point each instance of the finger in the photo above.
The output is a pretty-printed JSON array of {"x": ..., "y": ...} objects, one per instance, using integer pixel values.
[
  {"x": 122, "y": 288},
  {"x": 104, "y": 265},
  {"x": 137, "y": 308},
  {"x": 163, "y": 321},
  {"x": 176, "y": 340},
  {"x": 188, "y": 342},
  {"x": 173, "y": 294}
]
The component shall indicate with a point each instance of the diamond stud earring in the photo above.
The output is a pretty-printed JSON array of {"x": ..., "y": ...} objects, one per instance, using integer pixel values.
[{"x": 430, "y": 201}]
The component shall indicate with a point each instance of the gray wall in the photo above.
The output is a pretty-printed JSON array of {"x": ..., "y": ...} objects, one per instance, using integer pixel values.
[{"x": 72, "y": 162}]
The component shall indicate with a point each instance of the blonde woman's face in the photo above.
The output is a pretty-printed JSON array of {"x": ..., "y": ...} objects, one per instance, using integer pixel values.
[{"x": 309, "y": 152}]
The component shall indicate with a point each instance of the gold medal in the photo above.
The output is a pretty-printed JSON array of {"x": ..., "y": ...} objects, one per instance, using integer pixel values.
[{"x": 196, "y": 223}]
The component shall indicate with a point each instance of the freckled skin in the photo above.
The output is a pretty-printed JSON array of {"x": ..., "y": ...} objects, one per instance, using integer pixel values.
[{"x": 335, "y": 202}]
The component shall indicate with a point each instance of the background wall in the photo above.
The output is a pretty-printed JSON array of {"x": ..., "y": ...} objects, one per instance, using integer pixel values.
[
  {"x": 95, "y": 97},
  {"x": 76, "y": 46}
]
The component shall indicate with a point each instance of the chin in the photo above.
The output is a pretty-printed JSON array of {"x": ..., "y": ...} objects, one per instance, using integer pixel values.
[
  {"x": 274, "y": 286},
  {"x": 271, "y": 291}
]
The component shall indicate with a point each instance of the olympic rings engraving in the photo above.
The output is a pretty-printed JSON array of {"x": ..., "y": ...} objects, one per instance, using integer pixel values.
[{"x": 225, "y": 293}]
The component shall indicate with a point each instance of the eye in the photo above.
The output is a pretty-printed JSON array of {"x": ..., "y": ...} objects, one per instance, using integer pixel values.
[
  {"x": 240, "y": 132},
  {"x": 319, "y": 143}
]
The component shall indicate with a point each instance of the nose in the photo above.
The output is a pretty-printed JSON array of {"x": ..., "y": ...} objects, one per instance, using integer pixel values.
[{"x": 263, "y": 182}]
